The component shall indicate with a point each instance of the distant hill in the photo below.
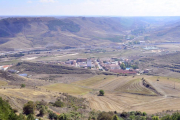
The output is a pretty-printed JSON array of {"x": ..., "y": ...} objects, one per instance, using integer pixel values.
[
  {"x": 31, "y": 32},
  {"x": 169, "y": 31}
]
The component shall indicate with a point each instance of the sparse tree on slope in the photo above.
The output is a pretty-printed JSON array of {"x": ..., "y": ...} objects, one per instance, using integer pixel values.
[{"x": 101, "y": 92}]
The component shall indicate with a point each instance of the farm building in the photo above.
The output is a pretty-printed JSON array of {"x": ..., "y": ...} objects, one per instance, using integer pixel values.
[{"x": 5, "y": 67}]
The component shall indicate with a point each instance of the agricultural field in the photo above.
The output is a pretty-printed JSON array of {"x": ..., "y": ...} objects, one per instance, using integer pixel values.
[
  {"x": 67, "y": 88},
  {"x": 128, "y": 93}
]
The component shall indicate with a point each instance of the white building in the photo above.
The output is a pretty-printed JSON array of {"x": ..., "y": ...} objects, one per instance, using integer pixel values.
[{"x": 89, "y": 63}]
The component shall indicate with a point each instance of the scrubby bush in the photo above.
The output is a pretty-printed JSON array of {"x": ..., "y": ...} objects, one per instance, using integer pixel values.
[
  {"x": 144, "y": 113},
  {"x": 42, "y": 111},
  {"x": 52, "y": 116},
  {"x": 29, "y": 108},
  {"x": 124, "y": 114},
  {"x": 167, "y": 117},
  {"x": 23, "y": 85},
  {"x": 58, "y": 104},
  {"x": 105, "y": 116},
  {"x": 30, "y": 117},
  {"x": 64, "y": 117},
  {"x": 115, "y": 117},
  {"x": 138, "y": 113},
  {"x": 156, "y": 118},
  {"x": 101, "y": 92}
]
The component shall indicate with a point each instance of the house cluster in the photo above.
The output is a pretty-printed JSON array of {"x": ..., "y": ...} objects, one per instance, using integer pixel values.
[
  {"x": 113, "y": 65},
  {"x": 106, "y": 64},
  {"x": 81, "y": 63}
]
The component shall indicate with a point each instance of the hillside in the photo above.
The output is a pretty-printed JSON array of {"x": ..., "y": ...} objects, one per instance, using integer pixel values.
[
  {"x": 167, "y": 33},
  {"x": 31, "y": 32}
]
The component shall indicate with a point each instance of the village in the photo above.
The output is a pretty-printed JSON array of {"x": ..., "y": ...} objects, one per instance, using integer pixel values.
[
  {"x": 116, "y": 65},
  {"x": 119, "y": 66}
]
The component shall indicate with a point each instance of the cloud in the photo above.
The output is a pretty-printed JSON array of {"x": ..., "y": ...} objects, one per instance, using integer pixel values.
[
  {"x": 47, "y": 1},
  {"x": 97, "y": 8}
]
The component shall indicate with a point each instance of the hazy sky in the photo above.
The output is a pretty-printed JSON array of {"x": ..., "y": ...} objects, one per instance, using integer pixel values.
[{"x": 91, "y": 7}]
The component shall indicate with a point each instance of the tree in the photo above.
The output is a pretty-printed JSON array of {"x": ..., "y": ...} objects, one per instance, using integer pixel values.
[
  {"x": 101, "y": 92},
  {"x": 23, "y": 85},
  {"x": 29, "y": 108},
  {"x": 123, "y": 66},
  {"x": 115, "y": 117}
]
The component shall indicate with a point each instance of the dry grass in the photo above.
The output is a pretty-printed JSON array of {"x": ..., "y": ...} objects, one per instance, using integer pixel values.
[
  {"x": 2, "y": 83},
  {"x": 135, "y": 86},
  {"x": 66, "y": 88},
  {"x": 90, "y": 82}
]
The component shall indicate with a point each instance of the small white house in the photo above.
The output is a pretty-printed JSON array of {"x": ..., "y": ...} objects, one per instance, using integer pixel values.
[{"x": 89, "y": 63}]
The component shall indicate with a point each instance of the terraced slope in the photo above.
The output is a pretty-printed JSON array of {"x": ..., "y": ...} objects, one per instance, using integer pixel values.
[
  {"x": 117, "y": 84},
  {"x": 135, "y": 86}
]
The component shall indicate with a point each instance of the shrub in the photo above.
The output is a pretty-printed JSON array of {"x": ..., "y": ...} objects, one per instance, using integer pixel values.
[
  {"x": 115, "y": 117},
  {"x": 23, "y": 85},
  {"x": 22, "y": 117},
  {"x": 167, "y": 117},
  {"x": 64, "y": 117},
  {"x": 29, "y": 108},
  {"x": 42, "y": 111},
  {"x": 124, "y": 114},
  {"x": 101, "y": 92},
  {"x": 138, "y": 113},
  {"x": 144, "y": 113},
  {"x": 156, "y": 118},
  {"x": 30, "y": 117},
  {"x": 58, "y": 104},
  {"x": 105, "y": 116},
  {"x": 52, "y": 116}
]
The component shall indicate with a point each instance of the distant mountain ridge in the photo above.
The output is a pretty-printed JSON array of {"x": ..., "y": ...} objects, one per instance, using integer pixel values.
[{"x": 31, "y": 32}]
